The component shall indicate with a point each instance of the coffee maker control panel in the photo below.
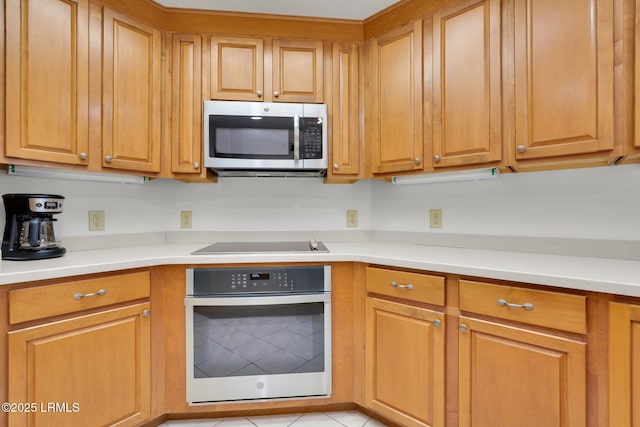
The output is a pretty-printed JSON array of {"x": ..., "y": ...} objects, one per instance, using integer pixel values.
[{"x": 43, "y": 205}]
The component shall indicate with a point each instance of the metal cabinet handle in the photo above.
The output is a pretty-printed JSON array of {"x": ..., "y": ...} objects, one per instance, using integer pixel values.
[
  {"x": 78, "y": 296},
  {"x": 108, "y": 158},
  {"x": 196, "y": 165},
  {"x": 437, "y": 323},
  {"x": 83, "y": 156},
  {"x": 336, "y": 166},
  {"x": 146, "y": 312},
  {"x": 521, "y": 148},
  {"x": 397, "y": 285},
  {"x": 463, "y": 327},
  {"x": 436, "y": 158},
  {"x": 276, "y": 94},
  {"x": 259, "y": 93},
  {"x": 417, "y": 160},
  {"x": 526, "y": 306}
]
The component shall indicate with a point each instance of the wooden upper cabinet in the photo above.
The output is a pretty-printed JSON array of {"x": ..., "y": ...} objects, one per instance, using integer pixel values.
[
  {"x": 298, "y": 72},
  {"x": 467, "y": 93},
  {"x": 345, "y": 143},
  {"x": 186, "y": 104},
  {"x": 396, "y": 104},
  {"x": 47, "y": 66},
  {"x": 243, "y": 69},
  {"x": 131, "y": 86},
  {"x": 237, "y": 69},
  {"x": 563, "y": 77}
]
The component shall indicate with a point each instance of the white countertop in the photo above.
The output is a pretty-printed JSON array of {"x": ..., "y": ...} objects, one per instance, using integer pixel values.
[{"x": 613, "y": 276}]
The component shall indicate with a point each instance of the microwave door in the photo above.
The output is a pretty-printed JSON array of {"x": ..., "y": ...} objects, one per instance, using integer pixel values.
[{"x": 254, "y": 142}]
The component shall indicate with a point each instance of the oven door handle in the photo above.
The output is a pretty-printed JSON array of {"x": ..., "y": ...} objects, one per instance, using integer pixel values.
[{"x": 253, "y": 300}]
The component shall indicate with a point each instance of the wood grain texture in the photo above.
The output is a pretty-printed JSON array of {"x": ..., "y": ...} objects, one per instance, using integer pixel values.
[
  {"x": 425, "y": 288},
  {"x": 298, "y": 71}
]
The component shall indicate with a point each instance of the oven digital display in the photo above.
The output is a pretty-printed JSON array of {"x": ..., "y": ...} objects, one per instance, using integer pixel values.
[{"x": 259, "y": 276}]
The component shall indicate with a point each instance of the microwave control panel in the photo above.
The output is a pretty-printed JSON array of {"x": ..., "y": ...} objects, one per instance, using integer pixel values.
[{"x": 311, "y": 137}]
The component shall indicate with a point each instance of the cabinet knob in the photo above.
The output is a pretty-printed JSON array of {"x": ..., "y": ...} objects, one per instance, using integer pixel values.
[
  {"x": 416, "y": 160},
  {"x": 108, "y": 158},
  {"x": 146, "y": 312},
  {"x": 336, "y": 166},
  {"x": 196, "y": 165},
  {"x": 437, "y": 323},
  {"x": 276, "y": 94},
  {"x": 259, "y": 93},
  {"x": 521, "y": 148},
  {"x": 463, "y": 327},
  {"x": 436, "y": 158},
  {"x": 83, "y": 156}
]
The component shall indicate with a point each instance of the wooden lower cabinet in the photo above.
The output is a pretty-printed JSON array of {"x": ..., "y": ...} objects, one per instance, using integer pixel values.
[
  {"x": 624, "y": 360},
  {"x": 511, "y": 376},
  {"x": 91, "y": 370},
  {"x": 405, "y": 357}
]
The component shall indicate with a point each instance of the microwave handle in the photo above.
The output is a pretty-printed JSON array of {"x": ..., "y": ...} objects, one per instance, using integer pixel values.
[{"x": 296, "y": 137}]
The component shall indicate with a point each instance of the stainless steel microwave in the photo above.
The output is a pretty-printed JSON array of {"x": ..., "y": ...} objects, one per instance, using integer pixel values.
[{"x": 265, "y": 139}]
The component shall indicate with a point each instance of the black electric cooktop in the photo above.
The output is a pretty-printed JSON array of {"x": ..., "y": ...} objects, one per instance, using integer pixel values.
[{"x": 261, "y": 247}]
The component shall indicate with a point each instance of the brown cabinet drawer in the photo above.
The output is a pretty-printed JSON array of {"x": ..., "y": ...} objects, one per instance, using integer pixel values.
[
  {"x": 402, "y": 284},
  {"x": 543, "y": 308},
  {"x": 67, "y": 297}
]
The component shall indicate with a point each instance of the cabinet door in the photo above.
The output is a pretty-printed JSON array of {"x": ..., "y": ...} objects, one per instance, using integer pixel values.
[
  {"x": 396, "y": 90},
  {"x": 624, "y": 360},
  {"x": 405, "y": 363},
  {"x": 345, "y": 145},
  {"x": 131, "y": 94},
  {"x": 467, "y": 87},
  {"x": 563, "y": 77},
  {"x": 237, "y": 69},
  {"x": 298, "y": 72},
  {"x": 514, "y": 377},
  {"x": 186, "y": 120},
  {"x": 92, "y": 370},
  {"x": 47, "y": 85}
]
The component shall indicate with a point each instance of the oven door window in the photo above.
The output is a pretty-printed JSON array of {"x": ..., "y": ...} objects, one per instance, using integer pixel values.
[
  {"x": 251, "y": 137},
  {"x": 258, "y": 340}
]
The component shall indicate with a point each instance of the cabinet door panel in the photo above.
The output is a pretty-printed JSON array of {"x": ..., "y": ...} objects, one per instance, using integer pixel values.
[
  {"x": 298, "y": 72},
  {"x": 511, "y": 376},
  {"x": 345, "y": 153},
  {"x": 624, "y": 358},
  {"x": 131, "y": 94},
  {"x": 405, "y": 363},
  {"x": 467, "y": 86},
  {"x": 563, "y": 77},
  {"x": 237, "y": 69},
  {"x": 46, "y": 82},
  {"x": 397, "y": 141},
  {"x": 96, "y": 366},
  {"x": 186, "y": 123}
]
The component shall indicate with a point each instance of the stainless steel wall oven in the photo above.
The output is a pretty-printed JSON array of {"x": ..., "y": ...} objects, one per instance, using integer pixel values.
[{"x": 258, "y": 333}]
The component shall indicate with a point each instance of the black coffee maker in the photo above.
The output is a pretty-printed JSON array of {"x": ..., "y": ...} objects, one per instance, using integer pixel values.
[{"x": 29, "y": 231}]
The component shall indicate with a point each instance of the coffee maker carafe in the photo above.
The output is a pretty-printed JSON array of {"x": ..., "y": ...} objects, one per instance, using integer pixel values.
[{"x": 29, "y": 230}]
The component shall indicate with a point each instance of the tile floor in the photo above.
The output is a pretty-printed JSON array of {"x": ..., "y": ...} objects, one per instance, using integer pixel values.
[{"x": 319, "y": 419}]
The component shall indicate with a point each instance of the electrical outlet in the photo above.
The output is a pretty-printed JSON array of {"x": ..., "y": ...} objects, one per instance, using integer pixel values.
[
  {"x": 352, "y": 218},
  {"x": 435, "y": 218},
  {"x": 96, "y": 220},
  {"x": 185, "y": 219}
]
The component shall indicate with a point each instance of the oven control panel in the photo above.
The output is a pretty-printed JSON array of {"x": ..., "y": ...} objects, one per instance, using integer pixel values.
[{"x": 258, "y": 280}]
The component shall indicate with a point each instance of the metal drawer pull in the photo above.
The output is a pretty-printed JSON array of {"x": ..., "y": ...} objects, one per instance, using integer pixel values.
[
  {"x": 527, "y": 306},
  {"x": 397, "y": 285},
  {"x": 93, "y": 294}
]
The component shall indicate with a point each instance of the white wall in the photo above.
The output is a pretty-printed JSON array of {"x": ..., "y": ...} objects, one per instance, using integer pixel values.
[
  {"x": 597, "y": 203},
  {"x": 270, "y": 204}
]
